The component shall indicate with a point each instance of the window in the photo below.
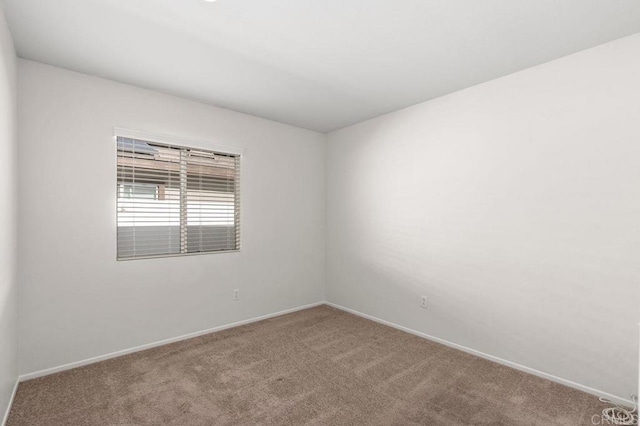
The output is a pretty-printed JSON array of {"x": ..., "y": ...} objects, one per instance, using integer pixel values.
[
  {"x": 138, "y": 190},
  {"x": 174, "y": 200}
]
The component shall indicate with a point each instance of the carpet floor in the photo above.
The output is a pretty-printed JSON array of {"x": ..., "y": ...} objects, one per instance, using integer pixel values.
[{"x": 320, "y": 366}]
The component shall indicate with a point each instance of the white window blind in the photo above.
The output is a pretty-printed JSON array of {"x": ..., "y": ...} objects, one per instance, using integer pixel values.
[{"x": 173, "y": 200}]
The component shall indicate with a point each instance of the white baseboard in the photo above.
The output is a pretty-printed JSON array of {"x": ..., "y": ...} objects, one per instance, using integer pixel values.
[
  {"x": 99, "y": 358},
  {"x": 489, "y": 357},
  {"x": 13, "y": 395},
  {"x": 505, "y": 362}
]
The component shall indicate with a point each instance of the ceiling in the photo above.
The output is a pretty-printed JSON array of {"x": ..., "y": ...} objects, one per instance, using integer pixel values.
[{"x": 317, "y": 64}]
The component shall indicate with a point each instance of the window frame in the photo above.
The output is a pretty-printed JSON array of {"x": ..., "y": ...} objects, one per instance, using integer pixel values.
[{"x": 177, "y": 142}]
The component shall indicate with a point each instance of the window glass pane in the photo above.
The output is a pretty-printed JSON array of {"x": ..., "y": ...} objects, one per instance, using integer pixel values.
[{"x": 174, "y": 200}]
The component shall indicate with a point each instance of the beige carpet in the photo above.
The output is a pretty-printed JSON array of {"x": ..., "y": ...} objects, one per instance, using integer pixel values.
[{"x": 320, "y": 366}]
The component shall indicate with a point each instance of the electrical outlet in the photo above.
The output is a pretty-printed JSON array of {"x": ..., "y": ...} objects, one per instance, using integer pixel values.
[
  {"x": 236, "y": 294},
  {"x": 423, "y": 302}
]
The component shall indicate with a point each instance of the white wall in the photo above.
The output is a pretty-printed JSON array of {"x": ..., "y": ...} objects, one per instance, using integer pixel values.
[
  {"x": 514, "y": 206},
  {"x": 76, "y": 301},
  {"x": 8, "y": 219}
]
